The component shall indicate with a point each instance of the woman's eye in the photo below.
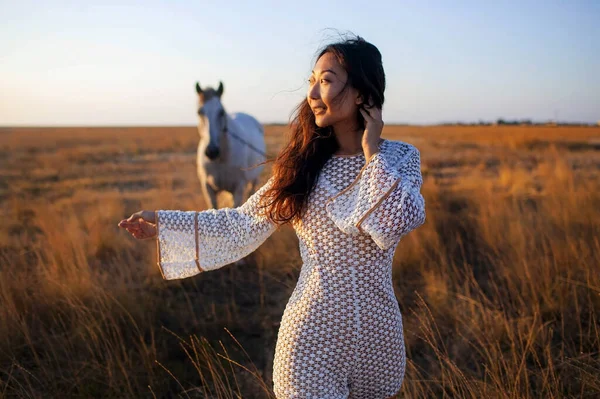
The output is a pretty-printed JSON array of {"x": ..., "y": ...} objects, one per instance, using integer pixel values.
[{"x": 324, "y": 81}]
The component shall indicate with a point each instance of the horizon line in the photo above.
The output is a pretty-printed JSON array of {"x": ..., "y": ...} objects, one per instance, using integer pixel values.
[
  {"x": 508, "y": 122},
  {"x": 548, "y": 123}
]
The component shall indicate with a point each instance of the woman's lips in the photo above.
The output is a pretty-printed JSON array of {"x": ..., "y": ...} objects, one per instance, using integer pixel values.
[{"x": 319, "y": 110}]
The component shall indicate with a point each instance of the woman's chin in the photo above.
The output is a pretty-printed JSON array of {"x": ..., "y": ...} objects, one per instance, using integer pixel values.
[{"x": 321, "y": 122}]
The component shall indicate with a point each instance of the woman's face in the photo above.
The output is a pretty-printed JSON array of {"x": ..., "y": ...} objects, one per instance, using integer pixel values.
[{"x": 327, "y": 80}]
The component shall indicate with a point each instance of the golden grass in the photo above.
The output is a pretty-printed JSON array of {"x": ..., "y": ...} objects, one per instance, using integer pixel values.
[{"x": 500, "y": 288}]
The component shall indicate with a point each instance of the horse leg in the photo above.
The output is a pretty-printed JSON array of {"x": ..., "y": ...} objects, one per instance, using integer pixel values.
[
  {"x": 212, "y": 194},
  {"x": 204, "y": 191},
  {"x": 238, "y": 194},
  {"x": 209, "y": 195},
  {"x": 238, "y": 200},
  {"x": 253, "y": 187}
]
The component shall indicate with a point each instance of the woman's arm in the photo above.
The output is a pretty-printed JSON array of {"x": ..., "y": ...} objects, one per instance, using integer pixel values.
[
  {"x": 385, "y": 200},
  {"x": 191, "y": 242}
]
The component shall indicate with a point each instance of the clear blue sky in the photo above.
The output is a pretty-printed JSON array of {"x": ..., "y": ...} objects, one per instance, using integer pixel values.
[{"x": 119, "y": 63}]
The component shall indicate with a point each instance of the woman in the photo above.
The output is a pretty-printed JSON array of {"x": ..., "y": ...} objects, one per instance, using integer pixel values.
[{"x": 350, "y": 197}]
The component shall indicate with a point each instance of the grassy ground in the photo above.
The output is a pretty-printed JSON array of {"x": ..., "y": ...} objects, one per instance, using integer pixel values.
[{"x": 500, "y": 288}]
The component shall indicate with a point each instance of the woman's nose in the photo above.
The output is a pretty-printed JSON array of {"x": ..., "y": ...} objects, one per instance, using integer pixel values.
[{"x": 313, "y": 91}]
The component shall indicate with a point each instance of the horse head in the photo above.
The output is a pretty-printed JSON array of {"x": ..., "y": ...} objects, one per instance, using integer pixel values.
[{"x": 213, "y": 118}]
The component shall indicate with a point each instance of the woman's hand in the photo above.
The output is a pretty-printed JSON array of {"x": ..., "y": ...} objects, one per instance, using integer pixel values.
[
  {"x": 373, "y": 129},
  {"x": 141, "y": 225}
]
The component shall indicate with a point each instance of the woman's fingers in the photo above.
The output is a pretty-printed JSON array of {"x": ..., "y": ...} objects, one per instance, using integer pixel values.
[
  {"x": 139, "y": 229},
  {"x": 133, "y": 220},
  {"x": 146, "y": 231},
  {"x": 132, "y": 228},
  {"x": 374, "y": 112},
  {"x": 141, "y": 216},
  {"x": 138, "y": 226},
  {"x": 365, "y": 114},
  {"x": 135, "y": 216},
  {"x": 373, "y": 115},
  {"x": 126, "y": 224},
  {"x": 142, "y": 235}
]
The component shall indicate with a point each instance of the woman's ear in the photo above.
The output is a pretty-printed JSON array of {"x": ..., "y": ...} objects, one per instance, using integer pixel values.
[{"x": 359, "y": 100}]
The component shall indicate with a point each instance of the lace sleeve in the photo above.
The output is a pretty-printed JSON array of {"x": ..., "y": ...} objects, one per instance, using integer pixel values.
[
  {"x": 384, "y": 201},
  {"x": 191, "y": 242}
]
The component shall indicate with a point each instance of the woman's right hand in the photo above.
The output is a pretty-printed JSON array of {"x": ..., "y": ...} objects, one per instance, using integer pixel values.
[{"x": 141, "y": 225}]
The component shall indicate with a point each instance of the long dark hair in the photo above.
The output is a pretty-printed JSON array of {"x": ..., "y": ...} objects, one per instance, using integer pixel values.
[{"x": 297, "y": 167}]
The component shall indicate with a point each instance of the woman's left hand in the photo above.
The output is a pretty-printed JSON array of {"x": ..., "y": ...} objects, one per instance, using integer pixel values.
[
  {"x": 373, "y": 128},
  {"x": 141, "y": 225}
]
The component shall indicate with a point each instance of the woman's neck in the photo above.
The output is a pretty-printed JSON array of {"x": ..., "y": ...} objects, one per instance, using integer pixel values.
[{"x": 349, "y": 137}]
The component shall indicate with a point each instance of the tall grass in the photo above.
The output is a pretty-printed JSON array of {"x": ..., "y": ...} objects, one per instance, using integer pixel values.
[
  {"x": 500, "y": 289},
  {"x": 503, "y": 288}
]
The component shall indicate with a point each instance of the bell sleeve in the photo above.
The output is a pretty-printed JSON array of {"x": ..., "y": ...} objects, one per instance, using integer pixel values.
[
  {"x": 191, "y": 242},
  {"x": 384, "y": 201}
]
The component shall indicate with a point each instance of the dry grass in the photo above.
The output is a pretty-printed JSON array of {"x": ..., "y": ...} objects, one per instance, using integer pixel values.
[{"x": 500, "y": 289}]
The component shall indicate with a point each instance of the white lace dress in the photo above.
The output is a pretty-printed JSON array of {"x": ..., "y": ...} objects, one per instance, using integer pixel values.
[{"x": 341, "y": 332}]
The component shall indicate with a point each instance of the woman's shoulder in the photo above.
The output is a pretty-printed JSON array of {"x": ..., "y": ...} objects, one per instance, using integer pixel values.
[{"x": 400, "y": 149}]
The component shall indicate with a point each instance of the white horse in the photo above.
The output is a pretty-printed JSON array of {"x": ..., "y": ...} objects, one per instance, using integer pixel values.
[{"x": 228, "y": 145}]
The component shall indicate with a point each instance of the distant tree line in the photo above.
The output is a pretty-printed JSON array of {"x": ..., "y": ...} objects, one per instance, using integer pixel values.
[
  {"x": 498, "y": 122},
  {"x": 519, "y": 122}
]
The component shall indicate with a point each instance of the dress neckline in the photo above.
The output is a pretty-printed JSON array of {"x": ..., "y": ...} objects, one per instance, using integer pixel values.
[{"x": 358, "y": 153}]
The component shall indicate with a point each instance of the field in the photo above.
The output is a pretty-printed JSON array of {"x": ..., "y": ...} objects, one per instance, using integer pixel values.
[{"x": 500, "y": 288}]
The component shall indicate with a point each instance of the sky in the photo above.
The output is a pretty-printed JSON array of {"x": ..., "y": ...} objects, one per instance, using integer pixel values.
[{"x": 104, "y": 63}]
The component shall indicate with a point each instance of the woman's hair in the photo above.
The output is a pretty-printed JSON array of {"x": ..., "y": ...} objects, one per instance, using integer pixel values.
[{"x": 297, "y": 167}]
